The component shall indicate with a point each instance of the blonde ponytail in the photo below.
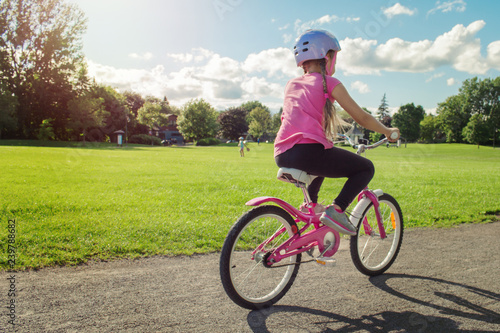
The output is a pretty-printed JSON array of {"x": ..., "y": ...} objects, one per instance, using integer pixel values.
[{"x": 332, "y": 123}]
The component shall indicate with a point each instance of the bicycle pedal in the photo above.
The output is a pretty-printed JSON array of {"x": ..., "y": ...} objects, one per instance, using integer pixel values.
[{"x": 326, "y": 262}]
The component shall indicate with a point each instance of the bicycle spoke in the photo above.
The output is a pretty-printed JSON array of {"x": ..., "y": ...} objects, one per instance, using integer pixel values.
[
  {"x": 256, "y": 284},
  {"x": 249, "y": 270},
  {"x": 249, "y": 282},
  {"x": 371, "y": 252}
]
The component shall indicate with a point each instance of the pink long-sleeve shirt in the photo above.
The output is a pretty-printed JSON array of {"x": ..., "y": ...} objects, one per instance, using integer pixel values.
[{"x": 302, "y": 118}]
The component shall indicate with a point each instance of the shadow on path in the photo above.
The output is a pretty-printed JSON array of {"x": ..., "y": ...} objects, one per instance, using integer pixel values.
[{"x": 449, "y": 298}]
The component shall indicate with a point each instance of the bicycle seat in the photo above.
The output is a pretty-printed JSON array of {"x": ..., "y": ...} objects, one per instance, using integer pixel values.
[{"x": 295, "y": 176}]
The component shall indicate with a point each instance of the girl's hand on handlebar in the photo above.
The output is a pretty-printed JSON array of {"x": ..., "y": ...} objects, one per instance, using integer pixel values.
[{"x": 393, "y": 134}]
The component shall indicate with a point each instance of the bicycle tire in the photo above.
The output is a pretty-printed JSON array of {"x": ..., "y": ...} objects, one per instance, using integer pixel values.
[
  {"x": 261, "y": 286},
  {"x": 370, "y": 254}
]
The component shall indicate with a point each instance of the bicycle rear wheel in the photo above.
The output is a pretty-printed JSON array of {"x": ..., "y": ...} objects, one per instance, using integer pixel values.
[
  {"x": 371, "y": 254},
  {"x": 247, "y": 280}
]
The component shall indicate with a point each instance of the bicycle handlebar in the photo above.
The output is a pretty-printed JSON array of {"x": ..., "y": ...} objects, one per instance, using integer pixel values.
[{"x": 362, "y": 148}]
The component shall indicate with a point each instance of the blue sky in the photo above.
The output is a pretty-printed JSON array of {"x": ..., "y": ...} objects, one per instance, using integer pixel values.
[{"x": 232, "y": 51}]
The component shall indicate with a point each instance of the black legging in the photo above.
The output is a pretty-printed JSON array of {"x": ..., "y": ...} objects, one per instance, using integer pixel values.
[{"x": 332, "y": 163}]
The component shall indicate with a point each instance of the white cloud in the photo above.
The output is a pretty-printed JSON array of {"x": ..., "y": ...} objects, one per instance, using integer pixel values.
[
  {"x": 494, "y": 54},
  {"x": 226, "y": 89},
  {"x": 359, "y": 57},
  {"x": 196, "y": 55},
  {"x": 326, "y": 19},
  {"x": 353, "y": 19},
  {"x": 221, "y": 68},
  {"x": 448, "y": 6},
  {"x": 181, "y": 57},
  {"x": 284, "y": 27},
  {"x": 398, "y": 9},
  {"x": 360, "y": 87},
  {"x": 287, "y": 38},
  {"x": 143, "y": 81},
  {"x": 435, "y": 76},
  {"x": 430, "y": 111},
  {"x": 300, "y": 26},
  {"x": 257, "y": 87},
  {"x": 451, "y": 81},
  {"x": 222, "y": 81},
  {"x": 145, "y": 56},
  {"x": 458, "y": 48},
  {"x": 276, "y": 62}
]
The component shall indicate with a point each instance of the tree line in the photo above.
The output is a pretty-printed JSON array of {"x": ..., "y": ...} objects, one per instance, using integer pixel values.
[
  {"x": 46, "y": 93},
  {"x": 45, "y": 90},
  {"x": 471, "y": 116},
  {"x": 199, "y": 120}
]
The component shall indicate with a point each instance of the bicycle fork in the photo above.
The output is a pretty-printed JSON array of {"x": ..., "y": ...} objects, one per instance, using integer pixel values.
[{"x": 371, "y": 196}]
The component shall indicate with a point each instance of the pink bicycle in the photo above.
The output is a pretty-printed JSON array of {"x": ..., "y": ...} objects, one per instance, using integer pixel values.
[{"x": 262, "y": 253}]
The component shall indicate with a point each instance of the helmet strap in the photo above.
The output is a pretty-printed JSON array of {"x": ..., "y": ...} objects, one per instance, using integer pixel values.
[{"x": 329, "y": 71}]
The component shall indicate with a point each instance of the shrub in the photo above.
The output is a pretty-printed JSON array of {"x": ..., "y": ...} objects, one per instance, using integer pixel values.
[
  {"x": 207, "y": 142},
  {"x": 144, "y": 139},
  {"x": 46, "y": 131}
]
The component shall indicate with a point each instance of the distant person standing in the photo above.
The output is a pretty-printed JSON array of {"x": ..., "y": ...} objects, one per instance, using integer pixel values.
[{"x": 242, "y": 146}]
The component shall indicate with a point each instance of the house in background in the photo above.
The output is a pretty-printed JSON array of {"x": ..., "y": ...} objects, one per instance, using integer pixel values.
[
  {"x": 170, "y": 132},
  {"x": 355, "y": 134}
]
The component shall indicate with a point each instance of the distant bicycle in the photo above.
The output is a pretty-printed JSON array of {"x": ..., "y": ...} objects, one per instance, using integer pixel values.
[{"x": 262, "y": 253}]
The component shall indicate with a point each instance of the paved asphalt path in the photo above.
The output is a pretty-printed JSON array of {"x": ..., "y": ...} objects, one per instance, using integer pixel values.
[{"x": 444, "y": 280}]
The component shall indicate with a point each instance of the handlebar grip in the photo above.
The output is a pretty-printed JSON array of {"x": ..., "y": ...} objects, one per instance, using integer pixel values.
[{"x": 394, "y": 135}]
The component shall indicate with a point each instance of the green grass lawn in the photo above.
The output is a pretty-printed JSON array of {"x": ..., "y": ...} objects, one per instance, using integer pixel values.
[{"x": 71, "y": 204}]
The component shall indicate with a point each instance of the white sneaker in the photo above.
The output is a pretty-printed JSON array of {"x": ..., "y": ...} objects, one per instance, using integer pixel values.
[{"x": 337, "y": 221}]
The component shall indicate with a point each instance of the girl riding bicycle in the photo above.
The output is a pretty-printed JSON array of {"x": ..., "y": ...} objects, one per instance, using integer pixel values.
[{"x": 309, "y": 123}]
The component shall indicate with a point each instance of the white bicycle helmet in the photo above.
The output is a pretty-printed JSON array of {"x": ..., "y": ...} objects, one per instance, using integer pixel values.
[{"x": 314, "y": 44}]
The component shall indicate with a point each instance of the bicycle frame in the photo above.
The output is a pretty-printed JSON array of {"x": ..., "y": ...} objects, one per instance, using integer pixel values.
[{"x": 300, "y": 242}]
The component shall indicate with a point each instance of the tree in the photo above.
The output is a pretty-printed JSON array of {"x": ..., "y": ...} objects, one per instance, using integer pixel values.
[
  {"x": 163, "y": 103},
  {"x": 475, "y": 97},
  {"x": 366, "y": 132},
  {"x": 374, "y": 136},
  {"x": 46, "y": 131},
  {"x": 8, "y": 104},
  {"x": 40, "y": 54},
  {"x": 477, "y": 130},
  {"x": 383, "y": 109},
  {"x": 232, "y": 123},
  {"x": 249, "y": 106},
  {"x": 86, "y": 112},
  {"x": 428, "y": 129},
  {"x": 150, "y": 115},
  {"x": 134, "y": 101},
  {"x": 198, "y": 120},
  {"x": 383, "y": 113},
  {"x": 154, "y": 112},
  {"x": 276, "y": 122},
  {"x": 117, "y": 111},
  {"x": 260, "y": 121},
  {"x": 453, "y": 117},
  {"x": 408, "y": 119},
  {"x": 483, "y": 98}
]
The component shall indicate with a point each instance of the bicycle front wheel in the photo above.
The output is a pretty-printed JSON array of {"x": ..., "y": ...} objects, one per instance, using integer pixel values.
[
  {"x": 246, "y": 278},
  {"x": 371, "y": 254}
]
